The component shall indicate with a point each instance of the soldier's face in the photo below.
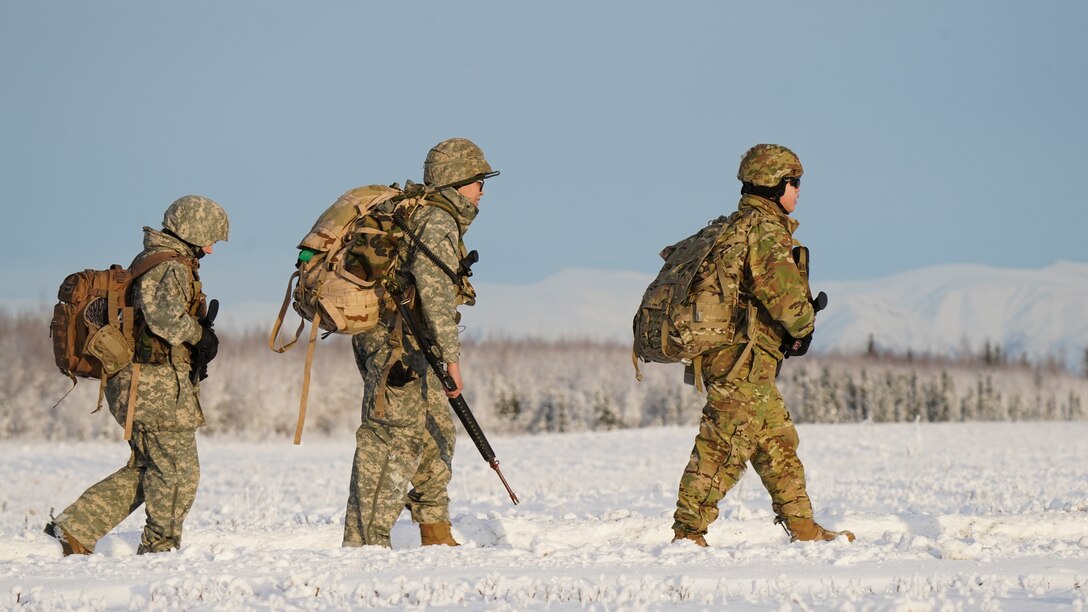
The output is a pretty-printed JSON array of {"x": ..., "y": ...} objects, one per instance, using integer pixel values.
[
  {"x": 789, "y": 199},
  {"x": 472, "y": 191},
  {"x": 207, "y": 248}
]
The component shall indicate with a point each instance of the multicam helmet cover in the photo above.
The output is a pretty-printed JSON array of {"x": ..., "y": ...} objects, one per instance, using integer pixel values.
[{"x": 766, "y": 165}]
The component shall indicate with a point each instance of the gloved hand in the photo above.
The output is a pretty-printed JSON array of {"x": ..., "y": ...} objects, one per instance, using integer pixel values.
[
  {"x": 205, "y": 349},
  {"x": 208, "y": 345},
  {"x": 794, "y": 347},
  {"x": 202, "y": 353}
]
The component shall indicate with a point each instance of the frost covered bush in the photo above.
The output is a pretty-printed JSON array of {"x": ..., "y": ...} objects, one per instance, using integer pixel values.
[{"x": 521, "y": 386}]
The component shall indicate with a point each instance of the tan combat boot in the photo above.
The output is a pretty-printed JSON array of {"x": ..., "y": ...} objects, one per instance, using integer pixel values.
[
  {"x": 808, "y": 530},
  {"x": 433, "y": 534},
  {"x": 687, "y": 535},
  {"x": 68, "y": 544}
]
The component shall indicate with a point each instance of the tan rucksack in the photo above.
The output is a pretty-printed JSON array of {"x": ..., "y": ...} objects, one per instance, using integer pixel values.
[
  {"x": 693, "y": 305},
  {"x": 345, "y": 269},
  {"x": 94, "y": 321}
]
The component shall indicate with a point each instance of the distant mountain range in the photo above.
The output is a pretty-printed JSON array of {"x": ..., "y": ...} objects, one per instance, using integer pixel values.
[{"x": 944, "y": 309}]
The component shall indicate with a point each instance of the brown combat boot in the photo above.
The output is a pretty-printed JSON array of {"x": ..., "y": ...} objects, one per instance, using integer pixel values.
[
  {"x": 687, "y": 535},
  {"x": 808, "y": 530},
  {"x": 433, "y": 534},
  {"x": 68, "y": 544}
]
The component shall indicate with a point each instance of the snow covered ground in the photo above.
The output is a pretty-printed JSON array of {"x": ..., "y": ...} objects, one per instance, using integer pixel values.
[{"x": 948, "y": 517}]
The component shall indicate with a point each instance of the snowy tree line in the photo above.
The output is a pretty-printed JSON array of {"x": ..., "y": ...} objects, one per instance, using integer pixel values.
[{"x": 521, "y": 386}]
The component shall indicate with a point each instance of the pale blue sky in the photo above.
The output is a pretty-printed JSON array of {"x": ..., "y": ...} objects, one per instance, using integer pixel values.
[{"x": 931, "y": 131}]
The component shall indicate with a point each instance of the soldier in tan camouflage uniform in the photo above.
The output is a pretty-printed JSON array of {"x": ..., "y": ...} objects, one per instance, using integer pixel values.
[
  {"x": 407, "y": 435},
  {"x": 745, "y": 418},
  {"x": 163, "y": 469}
]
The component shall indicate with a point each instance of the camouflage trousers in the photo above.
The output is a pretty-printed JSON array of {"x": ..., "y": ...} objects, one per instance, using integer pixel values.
[
  {"x": 403, "y": 458},
  {"x": 161, "y": 474},
  {"x": 745, "y": 419}
]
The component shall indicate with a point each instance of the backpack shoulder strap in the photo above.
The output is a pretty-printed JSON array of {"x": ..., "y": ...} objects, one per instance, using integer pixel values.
[
  {"x": 144, "y": 265},
  {"x": 138, "y": 268}
]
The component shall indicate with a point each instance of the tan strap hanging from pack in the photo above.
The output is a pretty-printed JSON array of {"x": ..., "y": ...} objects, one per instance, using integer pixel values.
[
  {"x": 101, "y": 392},
  {"x": 752, "y": 314},
  {"x": 315, "y": 325},
  {"x": 130, "y": 409},
  {"x": 396, "y": 343},
  {"x": 697, "y": 368}
]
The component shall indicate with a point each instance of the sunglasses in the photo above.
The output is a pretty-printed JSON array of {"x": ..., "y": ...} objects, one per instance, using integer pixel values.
[
  {"x": 480, "y": 183},
  {"x": 794, "y": 181}
]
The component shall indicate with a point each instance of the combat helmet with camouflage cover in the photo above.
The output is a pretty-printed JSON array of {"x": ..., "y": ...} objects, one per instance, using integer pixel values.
[
  {"x": 455, "y": 162},
  {"x": 765, "y": 165},
  {"x": 197, "y": 220}
]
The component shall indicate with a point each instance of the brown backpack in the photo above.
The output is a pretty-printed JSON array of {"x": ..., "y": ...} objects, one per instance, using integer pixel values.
[{"x": 94, "y": 321}]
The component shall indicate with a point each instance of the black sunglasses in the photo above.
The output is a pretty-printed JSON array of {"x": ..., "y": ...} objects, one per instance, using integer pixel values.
[{"x": 794, "y": 181}]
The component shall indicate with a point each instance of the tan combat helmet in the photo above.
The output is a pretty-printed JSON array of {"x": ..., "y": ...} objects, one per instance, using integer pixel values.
[
  {"x": 455, "y": 162},
  {"x": 197, "y": 220},
  {"x": 765, "y": 165}
]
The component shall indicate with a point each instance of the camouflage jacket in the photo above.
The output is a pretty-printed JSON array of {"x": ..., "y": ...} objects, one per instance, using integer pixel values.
[
  {"x": 441, "y": 228},
  {"x": 772, "y": 281},
  {"x": 168, "y": 296}
]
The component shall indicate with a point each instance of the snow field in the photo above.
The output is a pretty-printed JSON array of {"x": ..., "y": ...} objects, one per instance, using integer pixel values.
[{"x": 948, "y": 517}]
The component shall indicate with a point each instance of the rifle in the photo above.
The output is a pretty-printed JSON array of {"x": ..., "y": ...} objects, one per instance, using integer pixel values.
[{"x": 459, "y": 405}]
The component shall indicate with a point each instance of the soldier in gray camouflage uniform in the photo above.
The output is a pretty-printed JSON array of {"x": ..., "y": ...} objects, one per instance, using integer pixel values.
[
  {"x": 163, "y": 470},
  {"x": 407, "y": 435},
  {"x": 745, "y": 418}
]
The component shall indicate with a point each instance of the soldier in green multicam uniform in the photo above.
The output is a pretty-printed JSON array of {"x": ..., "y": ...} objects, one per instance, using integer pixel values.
[
  {"x": 745, "y": 418},
  {"x": 407, "y": 435},
  {"x": 163, "y": 470}
]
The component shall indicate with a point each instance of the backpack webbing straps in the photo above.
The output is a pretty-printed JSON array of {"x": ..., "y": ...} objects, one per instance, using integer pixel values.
[
  {"x": 101, "y": 392},
  {"x": 143, "y": 266},
  {"x": 752, "y": 314},
  {"x": 75, "y": 381},
  {"x": 697, "y": 367},
  {"x": 750, "y": 318},
  {"x": 130, "y": 409},
  {"x": 113, "y": 306},
  {"x": 314, "y": 326},
  {"x": 279, "y": 320}
]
